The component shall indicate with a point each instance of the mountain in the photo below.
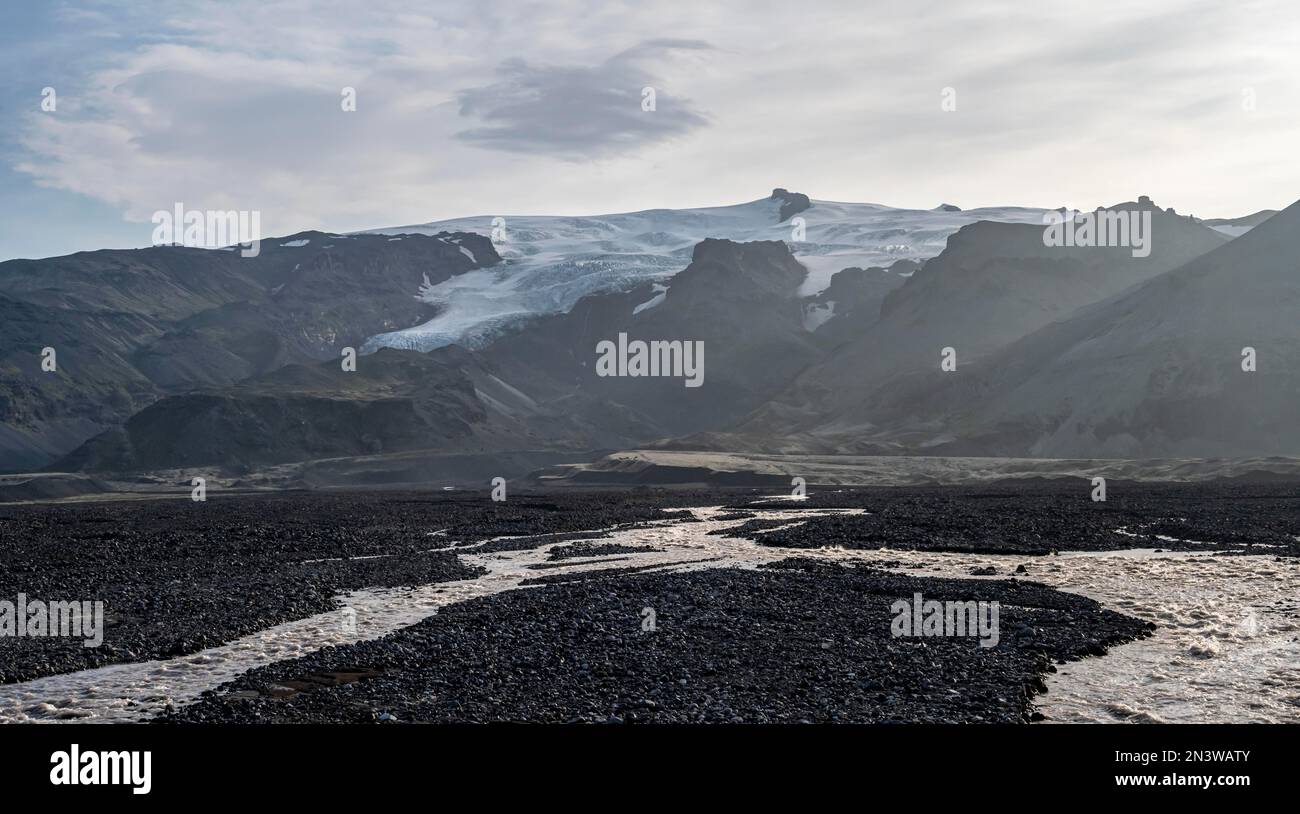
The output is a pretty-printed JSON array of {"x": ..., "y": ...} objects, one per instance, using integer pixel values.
[
  {"x": 538, "y": 386},
  {"x": 297, "y": 412},
  {"x": 202, "y": 359},
  {"x": 130, "y": 327},
  {"x": 740, "y": 300},
  {"x": 551, "y": 262},
  {"x": 93, "y": 387},
  {"x": 1157, "y": 370},
  {"x": 792, "y": 203},
  {"x": 993, "y": 284},
  {"x": 852, "y": 302}
]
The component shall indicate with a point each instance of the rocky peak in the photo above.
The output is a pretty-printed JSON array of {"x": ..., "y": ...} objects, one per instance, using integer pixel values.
[{"x": 792, "y": 203}]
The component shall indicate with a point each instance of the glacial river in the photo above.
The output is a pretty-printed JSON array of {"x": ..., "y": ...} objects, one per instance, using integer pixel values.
[{"x": 1227, "y": 647}]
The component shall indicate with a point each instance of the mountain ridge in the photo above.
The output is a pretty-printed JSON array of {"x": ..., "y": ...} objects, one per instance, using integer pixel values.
[{"x": 195, "y": 358}]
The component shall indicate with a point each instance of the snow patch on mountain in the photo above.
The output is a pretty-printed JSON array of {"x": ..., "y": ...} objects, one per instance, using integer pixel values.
[
  {"x": 661, "y": 293},
  {"x": 550, "y": 262}
]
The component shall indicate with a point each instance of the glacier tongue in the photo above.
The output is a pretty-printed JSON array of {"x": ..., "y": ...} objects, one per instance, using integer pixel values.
[{"x": 553, "y": 261}]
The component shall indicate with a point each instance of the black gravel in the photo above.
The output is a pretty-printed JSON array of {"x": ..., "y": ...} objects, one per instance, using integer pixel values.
[
  {"x": 178, "y": 576},
  {"x": 1043, "y": 518},
  {"x": 796, "y": 641},
  {"x": 569, "y": 552}
]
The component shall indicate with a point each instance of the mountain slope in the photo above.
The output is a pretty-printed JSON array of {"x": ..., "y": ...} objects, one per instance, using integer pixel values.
[
  {"x": 992, "y": 285},
  {"x": 129, "y": 327},
  {"x": 537, "y": 387},
  {"x": 1157, "y": 371},
  {"x": 234, "y": 364},
  {"x": 852, "y": 302},
  {"x": 393, "y": 401},
  {"x": 739, "y": 299}
]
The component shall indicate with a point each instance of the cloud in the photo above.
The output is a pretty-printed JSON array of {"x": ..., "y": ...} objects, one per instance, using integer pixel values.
[
  {"x": 499, "y": 106},
  {"x": 577, "y": 113}
]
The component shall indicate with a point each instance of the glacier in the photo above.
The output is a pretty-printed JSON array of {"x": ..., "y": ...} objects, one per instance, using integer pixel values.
[{"x": 550, "y": 262}]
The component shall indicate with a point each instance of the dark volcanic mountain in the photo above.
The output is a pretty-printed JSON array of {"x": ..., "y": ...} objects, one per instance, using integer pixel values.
[
  {"x": 792, "y": 203},
  {"x": 394, "y": 400},
  {"x": 129, "y": 327},
  {"x": 178, "y": 358},
  {"x": 537, "y": 387},
  {"x": 739, "y": 299},
  {"x": 851, "y": 304},
  {"x": 1158, "y": 370},
  {"x": 992, "y": 285}
]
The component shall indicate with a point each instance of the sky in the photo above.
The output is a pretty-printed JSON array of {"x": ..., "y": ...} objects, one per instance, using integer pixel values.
[{"x": 509, "y": 107}]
